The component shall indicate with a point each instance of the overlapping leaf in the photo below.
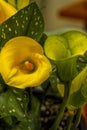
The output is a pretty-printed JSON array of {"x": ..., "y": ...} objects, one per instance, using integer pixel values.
[
  {"x": 26, "y": 22},
  {"x": 32, "y": 123},
  {"x": 14, "y": 103},
  {"x": 78, "y": 92}
]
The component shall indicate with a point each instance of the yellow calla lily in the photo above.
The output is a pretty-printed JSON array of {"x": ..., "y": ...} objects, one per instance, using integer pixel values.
[
  {"x": 23, "y": 64},
  {"x": 6, "y": 11}
]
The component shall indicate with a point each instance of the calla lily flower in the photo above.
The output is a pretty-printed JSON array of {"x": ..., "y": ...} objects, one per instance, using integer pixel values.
[
  {"x": 64, "y": 50},
  {"x": 23, "y": 64},
  {"x": 6, "y": 10}
]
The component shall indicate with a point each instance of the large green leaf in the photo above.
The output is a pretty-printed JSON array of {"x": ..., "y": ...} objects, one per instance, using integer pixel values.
[
  {"x": 77, "y": 82},
  {"x": 78, "y": 92},
  {"x": 78, "y": 98},
  {"x": 32, "y": 123},
  {"x": 76, "y": 101},
  {"x": 14, "y": 102},
  {"x": 26, "y": 22}
]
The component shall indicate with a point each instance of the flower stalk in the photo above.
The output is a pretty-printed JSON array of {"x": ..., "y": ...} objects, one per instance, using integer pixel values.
[
  {"x": 62, "y": 108},
  {"x": 77, "y": 120},
  {"x": 70, "y": 120}
]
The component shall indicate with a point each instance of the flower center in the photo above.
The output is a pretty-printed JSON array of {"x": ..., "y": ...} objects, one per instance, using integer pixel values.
[{"x": 27, "y": 66}]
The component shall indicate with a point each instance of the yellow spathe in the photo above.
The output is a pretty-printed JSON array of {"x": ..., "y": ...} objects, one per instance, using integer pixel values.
[
  {"x": 17, "y": 56},
  {"x": 6, "y": 11}
]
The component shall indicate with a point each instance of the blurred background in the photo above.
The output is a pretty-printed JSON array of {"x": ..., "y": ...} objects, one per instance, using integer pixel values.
[{"x": 56, "y": 21}]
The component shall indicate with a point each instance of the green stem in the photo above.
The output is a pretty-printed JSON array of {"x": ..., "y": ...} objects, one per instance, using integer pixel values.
[
  {"x": 70, "y": 120},
  {"x": 62, "y": 108},
  {"x": 77, "y": 120}
]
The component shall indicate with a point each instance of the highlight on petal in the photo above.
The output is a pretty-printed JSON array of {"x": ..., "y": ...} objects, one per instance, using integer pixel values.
[
  {"x": 23, "y": 64},
  {"x": 6, "y": 11}
]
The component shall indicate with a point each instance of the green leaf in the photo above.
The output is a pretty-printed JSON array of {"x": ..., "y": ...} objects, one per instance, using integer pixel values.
[
  {"x": 78, "y": 92},
  {"x": 14, "y": 102},
  {"x": 67, "y": 68},
  {"x": 43, "y": 38},
  {"x": 78, "y": 98},
  {"x": 9, "y": 120},
  {"x": 76, "y": 101},
  {"x": 84, "y": 90},
  {"x": 35, "y": 105},
  {"x": 77, "y": 82},
  {"x": 32, "y": 123},
  {"x": 26, "y": 22}
]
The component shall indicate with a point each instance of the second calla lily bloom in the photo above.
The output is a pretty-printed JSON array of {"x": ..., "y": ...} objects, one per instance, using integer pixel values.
[
  {"x": 64, "y": 50},
  {"x": 22, "y": 63}
]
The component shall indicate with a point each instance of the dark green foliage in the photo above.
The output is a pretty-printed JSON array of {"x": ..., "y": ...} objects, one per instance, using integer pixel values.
[{"x": 26, "y": 22}]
